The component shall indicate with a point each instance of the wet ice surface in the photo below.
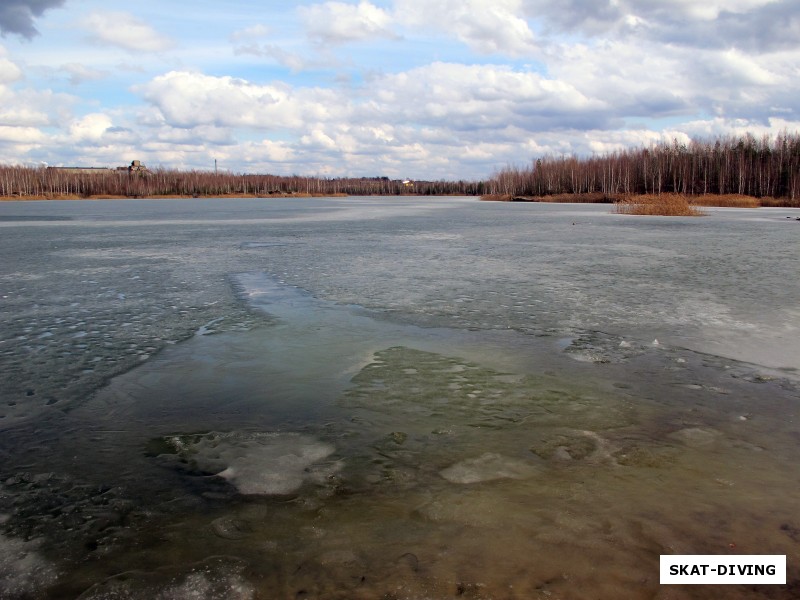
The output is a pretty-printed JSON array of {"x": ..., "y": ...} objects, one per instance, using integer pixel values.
[{"x": 423, "y": 398}]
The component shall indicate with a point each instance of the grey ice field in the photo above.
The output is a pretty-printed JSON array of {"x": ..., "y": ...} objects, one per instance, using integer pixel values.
[{"x": 392, "y": 398}]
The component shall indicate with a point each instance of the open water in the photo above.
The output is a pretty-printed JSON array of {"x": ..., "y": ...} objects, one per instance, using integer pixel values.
[{"x": 393, "y": 398}]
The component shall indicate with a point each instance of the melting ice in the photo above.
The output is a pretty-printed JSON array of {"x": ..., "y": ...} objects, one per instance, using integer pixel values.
[
  {"x": 440, "y": 441},
  {"x": 257, "y": 463}
]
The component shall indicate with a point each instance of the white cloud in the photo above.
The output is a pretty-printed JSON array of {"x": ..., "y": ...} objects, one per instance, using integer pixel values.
[
  {"x": 486, "y": 26},
  {"x": 318, "y": 138},
  {"x": 338, "y": 22},
  {"x": 24, "y": 112},
  {"x": 249, "y": 33},
  {"x": 21, "y": 135},
  {"x": 375, "y": 128},
  {"x": 754, "y": 25},
  {"x": 90, "y": 128},
  {"x": 267, "y": 150},
  {"x": 79, "y": 73},
  {"x": 478, "y": 97},
  {"x": 126, "y": 31},
  {"x": 719, "y": 126},
  {"x": 22, "y": 116},
  {"x": 437, "y": 120},
  {"x": 202, "y": 135},
  {"x": 9, "y": 72},
  {"x": 742, "y": 69},
  {"x": 441, "y": 91},
  {"x": 291, "y": 60},
  {"x": 459, "y": 98},
  {"x": 186, "y": 99},
  {"x": 629, "y": 78}
]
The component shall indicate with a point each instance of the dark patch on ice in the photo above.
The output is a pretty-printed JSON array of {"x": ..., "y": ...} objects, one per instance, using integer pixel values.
[{"x": 15, "y": 218}]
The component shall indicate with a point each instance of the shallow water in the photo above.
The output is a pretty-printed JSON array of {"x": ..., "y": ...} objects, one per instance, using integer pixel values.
[{"x": 392, "y": 398}]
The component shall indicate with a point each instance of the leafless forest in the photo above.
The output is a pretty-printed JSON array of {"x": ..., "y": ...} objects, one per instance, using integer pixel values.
[
  {"x": 765, "y": 168},
  {"x": 76, "y": 183}
]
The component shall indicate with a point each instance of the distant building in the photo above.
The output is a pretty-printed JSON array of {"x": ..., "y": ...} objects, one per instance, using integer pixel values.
[
  {"x": 408, "y": 183},
  {"x": 136, "y": 166},
  {"x": 82, "y": 170}
]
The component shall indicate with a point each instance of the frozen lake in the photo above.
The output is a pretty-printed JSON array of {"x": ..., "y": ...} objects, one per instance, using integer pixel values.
[{"x": 392, "y": 398}]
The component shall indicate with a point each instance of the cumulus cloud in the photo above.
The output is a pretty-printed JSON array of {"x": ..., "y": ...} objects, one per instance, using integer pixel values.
[
  {"x": 580, "y": 76},
  {"x": 22, "y": 116},
  {"x": 455, "y": 107},
  {"x": 481, "y": 97},
  {"x": 18, "y": 16},
  {"x": 23, "y": 111},
  {"x": 462, "y": 116},
  {"x": 125, "y": 31},
  {"x": 91, "y": 127},
  {"x": 719, "y": 126},
  {"x": 741, "y": 69},
  {"x": 186, "y": 99},
  {"x": 9, "y": 72},
  {"x": 486, "y": 26},
  {"x": 202, "y": 135},
  {"x": 460, "y": 97},
  {"x": 338, "y": 22},
  {"x": 20, "y": 135}
]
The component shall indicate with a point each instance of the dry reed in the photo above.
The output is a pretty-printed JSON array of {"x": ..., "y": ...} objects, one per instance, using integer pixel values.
[
  {"x": 585, "y": 198},
  {"x": 725, "y": 200},
  {"x": 664, "y": 205}
]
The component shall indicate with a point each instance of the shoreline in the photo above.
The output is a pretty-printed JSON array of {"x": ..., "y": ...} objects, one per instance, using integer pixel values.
[
  {"x": 704, "y": 200},
  {"x": 69, "y": 197}
]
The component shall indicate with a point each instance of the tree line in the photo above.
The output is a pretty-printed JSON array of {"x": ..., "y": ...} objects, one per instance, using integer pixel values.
[
  {"x": 768, "y": 167},
  {"x": 57, "y": 182}
]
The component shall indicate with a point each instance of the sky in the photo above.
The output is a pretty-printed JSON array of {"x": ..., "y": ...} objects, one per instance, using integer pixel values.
[{"x": 422, "y": 89}]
